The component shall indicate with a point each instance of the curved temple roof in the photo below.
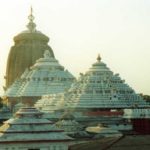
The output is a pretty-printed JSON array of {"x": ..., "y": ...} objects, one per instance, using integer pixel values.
[
  {"x": 28, "y": 125},
  {"x": 29, "y": 46},
  {"x": 99, "y": 87},
  {"x": 46, "y": 76}
]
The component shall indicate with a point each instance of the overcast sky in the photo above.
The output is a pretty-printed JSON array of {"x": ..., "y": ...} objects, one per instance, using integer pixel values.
[{"x": 80, "y": 29}]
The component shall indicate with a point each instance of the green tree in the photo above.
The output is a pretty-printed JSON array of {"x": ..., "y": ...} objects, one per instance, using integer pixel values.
[
  {"x": 146, "y": 97},
  {"x": 1, "y": 102}
]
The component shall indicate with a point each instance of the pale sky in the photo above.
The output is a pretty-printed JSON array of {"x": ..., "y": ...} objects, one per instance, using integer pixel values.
[{"x": 80, "y": 29}]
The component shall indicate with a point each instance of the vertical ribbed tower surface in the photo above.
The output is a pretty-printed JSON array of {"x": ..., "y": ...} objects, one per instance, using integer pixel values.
[{"x": 29, "y": 46}]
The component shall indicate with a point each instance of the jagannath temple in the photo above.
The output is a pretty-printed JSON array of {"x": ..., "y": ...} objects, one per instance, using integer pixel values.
[{"x": 99, "y": 103}]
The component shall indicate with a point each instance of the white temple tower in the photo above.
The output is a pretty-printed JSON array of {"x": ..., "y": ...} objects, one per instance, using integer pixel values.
[
  {"x": 46, "y": 76},
  {"x": 99, "y": 94},
  {"x": 99, "y": 88}
]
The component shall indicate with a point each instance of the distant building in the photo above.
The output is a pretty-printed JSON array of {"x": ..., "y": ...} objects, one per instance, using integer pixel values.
[{"x": 140, "y": 119}]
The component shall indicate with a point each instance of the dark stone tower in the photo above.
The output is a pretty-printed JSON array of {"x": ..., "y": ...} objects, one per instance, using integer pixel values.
[{"x": 29, "y": 46}]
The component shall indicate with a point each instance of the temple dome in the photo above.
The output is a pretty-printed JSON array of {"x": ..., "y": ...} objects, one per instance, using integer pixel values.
[
  {"x": 31, "y": 33},
  {"x": 99, "y": 88},
  {"x": 29, "y": 46},
  {"x": 47, "y": 62},
  {"x": 27, "y": 35},
  {"x": 45, "y": 77},
  {"x": 99, "y": 66},
  {"x": 104, "y": 131}
]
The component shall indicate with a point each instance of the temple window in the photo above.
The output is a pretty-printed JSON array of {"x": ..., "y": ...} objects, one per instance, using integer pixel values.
[
  {"x": 63, "y": 79},
  {"x": 107, "y": 91},
  {"x": 98, "y": 91},
  {"x": 45, "y": 79}
]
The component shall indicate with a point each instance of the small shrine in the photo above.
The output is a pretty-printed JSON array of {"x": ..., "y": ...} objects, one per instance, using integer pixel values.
[{"x": 28, "y": 128}]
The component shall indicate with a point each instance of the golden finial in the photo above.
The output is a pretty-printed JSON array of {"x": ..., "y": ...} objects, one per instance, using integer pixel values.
[
  {"x": 31, "y": 25},
  {"x": 31, "y": 17},
  {"x": 99, "y": 58}
]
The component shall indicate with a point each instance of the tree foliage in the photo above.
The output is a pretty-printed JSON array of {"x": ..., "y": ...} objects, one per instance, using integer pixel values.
[
  {"x": 1, "y": 102},
  {"x": 146, "y": 97}
]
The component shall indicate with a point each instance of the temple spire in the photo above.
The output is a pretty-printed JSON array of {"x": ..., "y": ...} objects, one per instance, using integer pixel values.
[
  {"x": 31, "y": 25},
  {"x": 99, "y": 58}
]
